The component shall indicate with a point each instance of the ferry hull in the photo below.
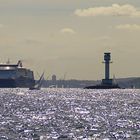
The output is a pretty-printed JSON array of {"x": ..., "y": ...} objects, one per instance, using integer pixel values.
[
  {"x": 12, "y": 83},
  {"x": 7, "y": 83}
]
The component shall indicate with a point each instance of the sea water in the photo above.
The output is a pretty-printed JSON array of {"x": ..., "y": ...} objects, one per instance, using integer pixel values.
[{"x": 69, "y": 114}]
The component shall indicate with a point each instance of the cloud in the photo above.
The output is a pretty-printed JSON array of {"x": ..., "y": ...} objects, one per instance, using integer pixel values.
[
  {"x": 68, "y": 30},
  {"x": 114, "y": 10},
  {"x": 128, "y": 27}
]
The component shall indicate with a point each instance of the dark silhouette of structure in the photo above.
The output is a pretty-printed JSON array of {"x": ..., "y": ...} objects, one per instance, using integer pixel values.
[{"x": 106, "y": 83}]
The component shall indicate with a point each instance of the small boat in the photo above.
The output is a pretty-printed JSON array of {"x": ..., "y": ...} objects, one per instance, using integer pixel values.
[{"x": 38, "y": 84}]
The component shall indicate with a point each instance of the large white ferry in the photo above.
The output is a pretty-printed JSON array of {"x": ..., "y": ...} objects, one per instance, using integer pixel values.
[{"x": 15, "y": 75}]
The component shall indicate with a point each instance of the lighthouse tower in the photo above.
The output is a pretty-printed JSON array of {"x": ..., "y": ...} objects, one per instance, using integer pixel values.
[{"x": 107, "y": 80}]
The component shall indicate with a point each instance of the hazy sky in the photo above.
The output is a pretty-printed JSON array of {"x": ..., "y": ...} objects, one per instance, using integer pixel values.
[{"x": 70, "y": 36}]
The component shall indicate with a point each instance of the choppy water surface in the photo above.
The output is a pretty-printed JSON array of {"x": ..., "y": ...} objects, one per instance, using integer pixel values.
[{"x": 69, "y": 114}]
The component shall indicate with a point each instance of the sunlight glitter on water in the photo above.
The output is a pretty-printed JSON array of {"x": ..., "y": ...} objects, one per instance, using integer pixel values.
[{"x": 74, "y": 114}]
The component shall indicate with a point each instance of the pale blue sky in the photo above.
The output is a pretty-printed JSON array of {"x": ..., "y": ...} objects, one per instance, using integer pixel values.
[{"x": 70, "y": 36}]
